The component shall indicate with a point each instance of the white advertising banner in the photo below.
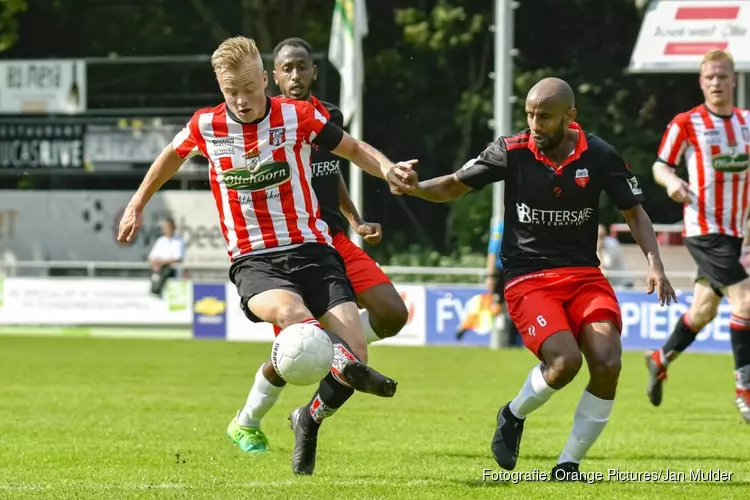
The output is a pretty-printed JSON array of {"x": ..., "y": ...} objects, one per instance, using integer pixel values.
[
  {"x": 675, "y": 34},
  {"x": 241, "y": 329},
  {"x": 81, "y": 225},
  {"x": 43, "y": 86},
  {"x": 93, "y": 301},
  {"x": 414, "y": 332}
]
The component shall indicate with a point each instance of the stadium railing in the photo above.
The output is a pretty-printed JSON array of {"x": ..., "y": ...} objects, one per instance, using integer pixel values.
[{"x": 219, "y": 271}]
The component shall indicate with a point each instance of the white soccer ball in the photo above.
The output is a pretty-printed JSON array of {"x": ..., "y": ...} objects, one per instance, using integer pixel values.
[{"x": 302, "y": 354}]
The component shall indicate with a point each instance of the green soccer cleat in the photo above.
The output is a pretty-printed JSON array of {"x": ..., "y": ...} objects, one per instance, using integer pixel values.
[{"x": 249, "y": 439}]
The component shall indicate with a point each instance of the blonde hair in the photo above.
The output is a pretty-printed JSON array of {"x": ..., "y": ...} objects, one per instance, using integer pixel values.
[
  {"x": 718, "y": 55},
  {"x": 233, "y": 53}
]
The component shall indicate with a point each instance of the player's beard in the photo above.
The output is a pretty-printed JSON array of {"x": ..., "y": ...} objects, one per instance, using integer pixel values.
[{"x": 555, "y": 140}]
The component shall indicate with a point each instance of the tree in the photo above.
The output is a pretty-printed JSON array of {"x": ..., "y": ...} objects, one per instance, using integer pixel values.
[{"x": 10, "y": 11}]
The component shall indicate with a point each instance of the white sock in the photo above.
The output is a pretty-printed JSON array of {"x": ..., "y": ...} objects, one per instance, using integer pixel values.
[
  {"x": 262, "y": 397},
  {"x": 370, "y": 335},
  {"x": 534, "y": 393},
  {"x": 591, "y": 416}
]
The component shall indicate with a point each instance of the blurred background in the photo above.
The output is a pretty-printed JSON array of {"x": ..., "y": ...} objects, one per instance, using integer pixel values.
[{"x": 92, "y": 90}]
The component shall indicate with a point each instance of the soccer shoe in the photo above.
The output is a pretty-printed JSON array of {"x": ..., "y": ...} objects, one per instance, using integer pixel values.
[
  {"x": 305, "y": 442},
  {"x": 366, "y": 379},
  {"x": 506, "y": 442},
  {"x": 249, "y": 439},
  {"x": 742, "y": 400},
  {"x": 567, "y": 471},
  {"x": 657, "y": 375}
]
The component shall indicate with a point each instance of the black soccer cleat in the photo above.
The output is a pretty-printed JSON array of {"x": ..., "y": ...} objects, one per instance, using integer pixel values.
[
  {"x": 657, "y": 375},
  {"x": 366, "y": 379},
  {"x": 506, "y": 442},
  {"x": 567, "y": 471},
  {"x": 305, "y": 442}
]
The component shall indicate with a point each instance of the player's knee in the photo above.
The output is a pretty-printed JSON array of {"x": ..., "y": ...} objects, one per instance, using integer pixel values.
[
  {"x": 389, "y": 317},
  {"x": 563, "y": 367},
  {"x": 290, "y": 313}
]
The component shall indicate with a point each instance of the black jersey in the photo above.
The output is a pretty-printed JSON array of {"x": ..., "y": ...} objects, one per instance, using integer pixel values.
[
  {"x": 551, "y": 212},
  {"x": 326, "y": 169}
]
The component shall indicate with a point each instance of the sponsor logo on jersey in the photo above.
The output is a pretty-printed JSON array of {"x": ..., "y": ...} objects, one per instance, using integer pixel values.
[
  {"x": 528, "y": 215},
  {"x": 712, "y": 137},
  {"x": 734, "y": 161},
  {"x": 265, "y": 176},
  {"x": 582, "y": 177},
  {"x": 325, "y": 168}
]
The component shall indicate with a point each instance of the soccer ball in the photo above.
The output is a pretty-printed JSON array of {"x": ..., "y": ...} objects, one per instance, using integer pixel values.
[{"x": 302, "y": 354}]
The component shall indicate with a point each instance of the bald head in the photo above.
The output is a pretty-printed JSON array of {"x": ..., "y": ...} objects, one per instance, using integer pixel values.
[
  {"x": 550, "y": 109},
  {"x": 552, "y": 90}
]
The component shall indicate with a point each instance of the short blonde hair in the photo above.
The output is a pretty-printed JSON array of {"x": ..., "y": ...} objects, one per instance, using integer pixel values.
[
  {"x": 718, "y": 55},
  {"x": 233, "y": 53}
]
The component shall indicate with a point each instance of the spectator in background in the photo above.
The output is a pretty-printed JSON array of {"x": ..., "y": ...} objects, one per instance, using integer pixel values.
[
  {"x": 609, "y": 251},
  {"x": 169, "y": 249}
]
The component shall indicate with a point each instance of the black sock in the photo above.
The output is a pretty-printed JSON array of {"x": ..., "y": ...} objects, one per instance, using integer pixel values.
[
  {"x": 681, "y": 338},
  {"x": 739, "y": 331},
  {"x": 330, "y": 397}
]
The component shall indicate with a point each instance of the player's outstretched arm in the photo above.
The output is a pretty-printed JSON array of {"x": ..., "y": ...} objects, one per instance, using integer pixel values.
[
  {"x": 440, "y": 189},
  {"x": 164, "y": 167},
  {"x": 490, "y": 166},
  {"x": 355, "y": 151},
  {"x": 643, "y": 233}
]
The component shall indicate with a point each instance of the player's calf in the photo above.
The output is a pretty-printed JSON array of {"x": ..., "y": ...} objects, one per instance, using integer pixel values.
[
  {"x": 600, "y": 344},
  {"x": 306, "y": 421},
  {"x": 385, "y": 312}
]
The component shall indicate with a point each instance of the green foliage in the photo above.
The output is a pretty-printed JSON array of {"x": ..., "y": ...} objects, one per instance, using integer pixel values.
[{"x": 10, "y": 10}]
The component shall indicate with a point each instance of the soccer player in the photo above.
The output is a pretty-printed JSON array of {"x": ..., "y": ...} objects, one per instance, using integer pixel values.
[
  {"x": 384, "y": 311},
  {"x": 283, "y": 263},
  {"x": 556, "y": 294},
  {"x": 714, "y": 139}
]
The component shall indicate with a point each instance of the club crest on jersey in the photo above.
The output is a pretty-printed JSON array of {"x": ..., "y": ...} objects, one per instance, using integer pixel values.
[
  {"x": 745, "y": 133},
  {"x": 277, "y": 136},
  {"x": 582, "y": 177},
  {"x": 252, "y": 160}
]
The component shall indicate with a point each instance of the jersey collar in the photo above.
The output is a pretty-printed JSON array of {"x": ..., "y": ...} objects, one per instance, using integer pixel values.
[
  {"x": 254, "y": 122},
  {"x": 581, "y": 146}
]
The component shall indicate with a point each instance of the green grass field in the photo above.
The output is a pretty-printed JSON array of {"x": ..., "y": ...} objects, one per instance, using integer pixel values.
[{"x": 119, "y": 418}]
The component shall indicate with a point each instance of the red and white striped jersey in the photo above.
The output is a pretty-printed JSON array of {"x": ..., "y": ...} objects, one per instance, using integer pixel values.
[
  {"x": 260, "y": 174},
  {"x": 717, "y": 155}
]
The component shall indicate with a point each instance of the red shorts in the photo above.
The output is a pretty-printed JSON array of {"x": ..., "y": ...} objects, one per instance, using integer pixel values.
[
  {"x": 546, "y": 302},
  {"x": 362, "y": 271}
]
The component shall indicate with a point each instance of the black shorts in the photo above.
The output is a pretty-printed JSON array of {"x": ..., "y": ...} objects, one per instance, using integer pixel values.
[
  {"x": 718, "y": 259},
  {"x": 313, "y": 271}
]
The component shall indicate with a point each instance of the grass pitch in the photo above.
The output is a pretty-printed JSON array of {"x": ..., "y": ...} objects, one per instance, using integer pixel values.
[{"x": 122, "y": 418}]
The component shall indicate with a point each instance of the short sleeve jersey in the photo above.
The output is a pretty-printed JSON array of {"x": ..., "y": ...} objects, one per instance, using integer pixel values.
[{"x": 551, "y": 212}]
